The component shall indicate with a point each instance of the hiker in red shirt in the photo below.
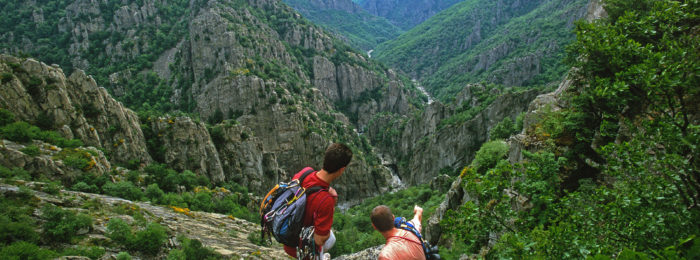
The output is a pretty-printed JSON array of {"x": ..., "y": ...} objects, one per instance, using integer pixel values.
[
  {"x": 400, "y": 244},
  {"x": 320, "y": 205}
]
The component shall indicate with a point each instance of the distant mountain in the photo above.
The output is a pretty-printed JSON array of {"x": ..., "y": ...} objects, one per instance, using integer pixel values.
[
  {"x": 347, "y": 21},
  {"x": 286, "y": 87},
  {"x": 405, "y": 13},
  {"x": 509, "y": 42}
]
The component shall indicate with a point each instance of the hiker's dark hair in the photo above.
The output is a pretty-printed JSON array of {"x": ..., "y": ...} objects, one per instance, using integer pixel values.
[
  {"x": 382, "y": 218},
  {"x": 337, "y": 156}
]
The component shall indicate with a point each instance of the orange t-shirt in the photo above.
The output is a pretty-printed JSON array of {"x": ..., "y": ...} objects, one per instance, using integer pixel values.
[{"x": 403, "y": 245}]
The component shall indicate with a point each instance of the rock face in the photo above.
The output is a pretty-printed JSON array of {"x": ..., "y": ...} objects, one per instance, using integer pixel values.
[
  {"x": 49, "y": 162},
  {"x": 406, "y": 14},
  {"x": 186, "y": 145},
  {"x": 74, "y": 106},
  {"x": 225, "y": 234},
  {"x": 449, "y": 146},
  {"x": 221, "y": 58},
  {"x": 456, "y": 196},
  {"x": 509, "y": 42}
]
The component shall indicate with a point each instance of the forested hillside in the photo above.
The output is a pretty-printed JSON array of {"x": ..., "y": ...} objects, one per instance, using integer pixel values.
[
  {"x": 513, "y": 43},
  {"x": 285, "y": 87},
  {"x": 405, "y": 14},
  {"x": 149, "y": 129},
  {"x": 347, "y": 21},
  {"x": 607, "y": 165}
]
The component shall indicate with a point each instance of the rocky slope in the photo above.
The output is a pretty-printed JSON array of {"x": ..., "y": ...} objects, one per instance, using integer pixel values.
[
  {"x": 256, "y": 63},
  {"x": 514, "y": 43},
  {"x": 223, "y": 233},
  {"x": 422, "y": 145},
  {"x": 257, "y": 152},
  {"x": 406, "y": 14},
  {"x": 73, "y": 106},
  {"x": 456, "y": 196},
  {"x": 347, "y": 21}
]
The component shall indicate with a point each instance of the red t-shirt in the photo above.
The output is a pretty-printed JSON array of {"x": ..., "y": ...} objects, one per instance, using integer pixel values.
[{"x": 320, "y": 207}]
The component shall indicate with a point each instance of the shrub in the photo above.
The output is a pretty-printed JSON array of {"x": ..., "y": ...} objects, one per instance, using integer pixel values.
[
  {"x": 193, "y": 249},
  {"x": 6, "y": 117},
  {"x": 503, "y": 130},
  {"x": 84, "y": 187},
  {"x": 52, "y": 188},
  {"x": 488, "y": 155},
  {"x": 26, "y": 250},
  {"x": 62, "y": 225},
  {"x": 123, "y": 189},
  {"x": 12, "y": 231},
  {"x": 92, "y": 252},
  {"x": 154, "y": 193},
  {"x": 123, "y": 256},
  {"x": 176, "y": 254},
  {"x": 150, "y": 240},
  {"x": 16, "y": 172},
  {"x": 20, "y": 131},
  {"x": 119, "y": 231},
  {"x": 31, "y": 150}
]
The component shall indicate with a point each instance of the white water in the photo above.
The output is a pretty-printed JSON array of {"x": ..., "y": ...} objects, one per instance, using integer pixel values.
[{"x": 420, "y": 87}]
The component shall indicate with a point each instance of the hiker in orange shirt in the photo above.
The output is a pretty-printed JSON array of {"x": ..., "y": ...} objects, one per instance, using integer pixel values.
[{"x": 400, "y": 244}]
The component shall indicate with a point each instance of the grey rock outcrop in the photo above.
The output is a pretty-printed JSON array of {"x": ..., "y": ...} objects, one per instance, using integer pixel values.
[
  {"x": 406, "y": 14},
  {"x": 225, "y": 234},
  {"x": 49, "y": 162},
  {"x": 75, "y": 107},
  {"x": 451, "y": 145},
  {"x": 187, "y": 145}
]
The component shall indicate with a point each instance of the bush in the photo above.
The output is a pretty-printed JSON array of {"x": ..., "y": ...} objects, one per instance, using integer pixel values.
[
  {"x": 31, "y": 150},
  {"x": 62, "y": 225},
  {"x": 123, "y": 189},
  {"x": 193, "y": 249},
  {"x": 16, "y": 172},
  {"x": 119, "y": 231},
  {"x": 20, "y": 131},
  {"x": 176, "y": 254},
  {"x": 488, "y": 155},
  {"x": 154, "y": 193},
  {"x": 150, "y": 240},
  {"x": 6, "y": 117},
  {"x": 13, "y": 231},
  {"x": 92, "y": 252},
  {"x": 25, "y": 250},
  {"x": 503, "y": 130},
  {"x": 123, "y": 256},
  {"x": 84, "y": 187}
]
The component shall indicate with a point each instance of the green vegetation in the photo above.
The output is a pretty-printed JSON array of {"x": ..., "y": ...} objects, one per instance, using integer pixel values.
[
  {"x": 23, "y": 132},
  {"x": 51, "y": 45},
  {"x": 192, "y": 249},
  {"x": 506, "y": 128},
  {"x": 62, "y": 225},
  {"x": 353, "y": 229},
  {"x": 405, "y": 14},
  {"x": 360, "y": 29},
  {"x": 148, "y": 241},
  {"x": 613, "y": 174},
  {"x": 450, "y": 49}
]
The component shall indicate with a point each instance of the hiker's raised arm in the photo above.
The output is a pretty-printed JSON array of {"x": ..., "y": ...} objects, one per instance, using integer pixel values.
[{"x": 418, "y": 213}]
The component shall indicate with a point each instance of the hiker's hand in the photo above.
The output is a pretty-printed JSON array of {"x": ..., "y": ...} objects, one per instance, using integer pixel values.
[
  {"x": 332, "y": 191},
  {"x": 417, "y": 210},
  {"x": 418, "y": 213}
]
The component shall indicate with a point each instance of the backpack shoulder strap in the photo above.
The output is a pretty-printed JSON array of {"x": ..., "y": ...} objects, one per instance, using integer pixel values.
[
  {"x": 311, "y": 189},
  {"x": 305, "y": 174}
]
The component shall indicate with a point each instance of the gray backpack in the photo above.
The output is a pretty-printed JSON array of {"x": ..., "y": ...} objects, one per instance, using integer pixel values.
[{"x": 282, "y": 210}]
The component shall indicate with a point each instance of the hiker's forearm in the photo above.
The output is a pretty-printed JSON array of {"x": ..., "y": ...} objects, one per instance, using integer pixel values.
[{"x": 320, "y": 240}]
